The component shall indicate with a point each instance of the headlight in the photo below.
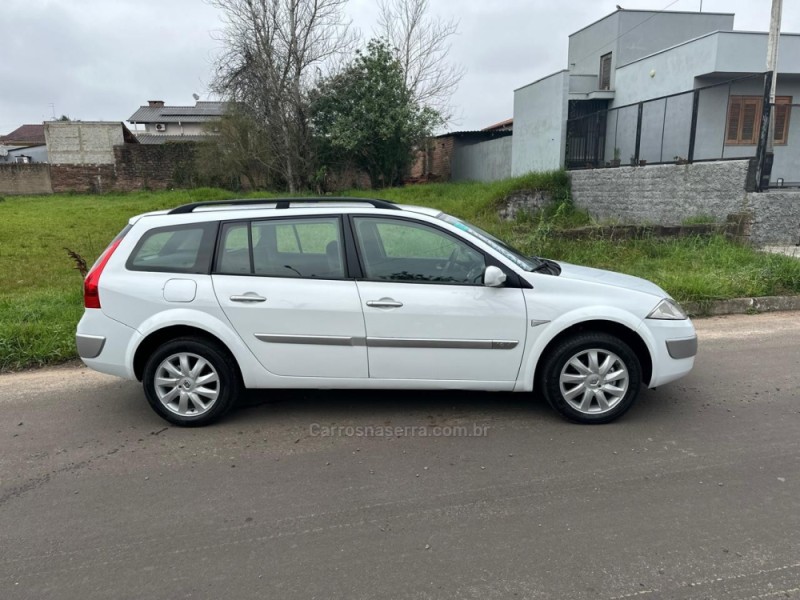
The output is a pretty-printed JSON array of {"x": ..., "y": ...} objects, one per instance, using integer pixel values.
[{"x": 668, "y": 310}]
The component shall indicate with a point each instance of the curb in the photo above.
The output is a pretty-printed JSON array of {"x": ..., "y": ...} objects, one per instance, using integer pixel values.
[{"x": 742, "y": 306}]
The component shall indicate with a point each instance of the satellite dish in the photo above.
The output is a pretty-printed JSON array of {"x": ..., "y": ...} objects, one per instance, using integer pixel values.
[{"x": 196, "y": 97}]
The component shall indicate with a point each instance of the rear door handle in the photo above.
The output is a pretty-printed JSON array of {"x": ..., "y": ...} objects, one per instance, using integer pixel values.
[
  {"x": 384, "y": 303},
  {"x": 248, "y": 298}
]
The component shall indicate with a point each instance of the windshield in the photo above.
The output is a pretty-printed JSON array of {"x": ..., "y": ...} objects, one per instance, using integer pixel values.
[{"x": 512, "y": 254}]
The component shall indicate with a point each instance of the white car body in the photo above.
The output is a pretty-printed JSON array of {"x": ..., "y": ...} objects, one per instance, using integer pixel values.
[{"x": 322, "y": 333}]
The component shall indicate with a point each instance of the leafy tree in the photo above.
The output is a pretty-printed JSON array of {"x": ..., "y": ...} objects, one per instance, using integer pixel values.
[{"x": 368, "y": 117}]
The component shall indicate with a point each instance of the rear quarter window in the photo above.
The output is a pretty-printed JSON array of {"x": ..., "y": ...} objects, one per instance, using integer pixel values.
[{"x": 175, "y": 249}]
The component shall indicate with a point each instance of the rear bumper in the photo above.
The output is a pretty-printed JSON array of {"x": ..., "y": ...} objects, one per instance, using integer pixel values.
[
  {"x": 103, "y": 344},
  {"x": 89, "y": 346}
]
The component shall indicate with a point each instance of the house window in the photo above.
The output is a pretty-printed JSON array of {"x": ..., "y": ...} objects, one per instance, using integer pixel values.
[
  {"x": 744, "y": 120},
  {"x": 783, "y": 109},
  {"x": 605, "y": 72}
]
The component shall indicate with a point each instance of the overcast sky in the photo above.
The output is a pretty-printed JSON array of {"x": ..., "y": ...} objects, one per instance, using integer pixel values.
[{"x": 101, "y": 59}]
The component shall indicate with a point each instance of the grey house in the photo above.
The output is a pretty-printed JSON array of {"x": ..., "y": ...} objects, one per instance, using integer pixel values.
[
  {"x": 652, "y": 70},
  {"x": 176, "y": 123}
]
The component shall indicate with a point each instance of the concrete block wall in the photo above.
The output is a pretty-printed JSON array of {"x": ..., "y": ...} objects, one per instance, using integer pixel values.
[
  {"x": 24, "y": 179},
  {"x": 671, "y": 194},
  {"x": 90, "y": 143},
  {"x": 663, "y": 194},
  {"x": 775, "y": 217}
]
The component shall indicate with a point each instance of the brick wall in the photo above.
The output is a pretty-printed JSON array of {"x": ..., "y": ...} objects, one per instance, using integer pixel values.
[
  {"x": 155, "y": 166},
  {"x": 434, "y": 161},
  {"x": 136, "y": 167},
  {"x": 82, "y": 178},
  {"x": 24, "y": 179}
]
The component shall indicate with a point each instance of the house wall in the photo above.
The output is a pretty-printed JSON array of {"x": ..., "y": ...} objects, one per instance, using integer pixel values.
[
  {"x": 489, "y": 160},
  {"x": 680, "y": 69},
  {"x": 77, "y": 143},
  {"x": 647, "y": 32},
  {"x": 24, "y": 179},
  {"x": 632, "y": 34},
  {"x": 178, "y": 129},
  {"x": 712, "y": 117},
  {"x": 590, "y": 43},
  {"x": 540, "y": 116},
  {"x": 38, "y": 154}
]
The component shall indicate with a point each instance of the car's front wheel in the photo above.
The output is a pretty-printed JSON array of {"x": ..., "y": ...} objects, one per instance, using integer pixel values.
[
  {"x": 591, "y": 377},
  {"x": 191, "y": 382}
]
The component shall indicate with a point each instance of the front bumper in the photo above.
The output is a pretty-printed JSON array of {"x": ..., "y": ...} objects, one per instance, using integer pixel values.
[{"x": 673, "y": 346}]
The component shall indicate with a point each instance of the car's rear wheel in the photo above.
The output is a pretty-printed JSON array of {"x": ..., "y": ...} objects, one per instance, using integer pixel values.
[
  {"x": 191, "y": 381},
  {"x": 591, "y": 377}
]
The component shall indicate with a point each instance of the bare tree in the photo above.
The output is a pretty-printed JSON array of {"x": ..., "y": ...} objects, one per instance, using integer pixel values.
[
  {"x": 274, "y": 51},
  {"x": 422, "y": 44}
]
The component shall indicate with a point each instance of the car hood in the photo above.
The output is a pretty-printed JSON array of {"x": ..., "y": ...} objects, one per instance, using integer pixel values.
[{"x": 610, "y": 278}]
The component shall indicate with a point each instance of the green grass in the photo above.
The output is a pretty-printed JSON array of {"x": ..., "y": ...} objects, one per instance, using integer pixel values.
[{"x": 40, "y": 292}]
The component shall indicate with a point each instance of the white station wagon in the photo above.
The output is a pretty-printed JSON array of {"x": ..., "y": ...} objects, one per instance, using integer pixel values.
[{"x": 209, "y": 298}]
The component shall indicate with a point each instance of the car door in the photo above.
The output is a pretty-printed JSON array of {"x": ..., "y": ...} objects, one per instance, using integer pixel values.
[
  {"x": 283, "y": 285},
  {"x": 428, "y": 315}
]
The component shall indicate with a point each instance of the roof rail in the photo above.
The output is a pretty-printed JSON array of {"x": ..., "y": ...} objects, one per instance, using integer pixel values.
[{"x": 282, "y": 203}]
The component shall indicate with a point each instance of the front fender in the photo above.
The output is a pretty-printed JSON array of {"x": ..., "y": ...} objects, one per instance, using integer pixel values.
[{"x": 548, "y": 332}]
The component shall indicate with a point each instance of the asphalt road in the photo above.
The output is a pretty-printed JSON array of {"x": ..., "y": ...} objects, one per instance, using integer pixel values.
[{"x": 694, "y": 494}]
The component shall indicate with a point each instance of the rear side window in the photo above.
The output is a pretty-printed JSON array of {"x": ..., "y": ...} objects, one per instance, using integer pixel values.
[
  {"x": 310, "y": 248},
  {"x": 175, "y": 249}
]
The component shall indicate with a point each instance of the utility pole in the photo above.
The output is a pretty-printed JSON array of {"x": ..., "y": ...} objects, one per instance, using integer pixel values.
[
  {"x": 765, "y": 154},
  {"x": 772, "y": 62}
]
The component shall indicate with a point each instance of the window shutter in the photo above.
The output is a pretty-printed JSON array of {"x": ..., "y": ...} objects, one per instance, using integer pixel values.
[
  {"x": 751, "y": 119},
  {"x": 734, "y": 120},
  {"x": 781, "y": 116}
]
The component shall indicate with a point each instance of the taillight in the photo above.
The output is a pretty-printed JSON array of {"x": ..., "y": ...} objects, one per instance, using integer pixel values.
[{"x": 91, "y": 290}]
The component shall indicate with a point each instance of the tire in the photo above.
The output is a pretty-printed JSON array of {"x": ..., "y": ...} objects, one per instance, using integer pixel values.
[
  {"x": 577, "y": 386},
  {"x": 191, "y": 382}
]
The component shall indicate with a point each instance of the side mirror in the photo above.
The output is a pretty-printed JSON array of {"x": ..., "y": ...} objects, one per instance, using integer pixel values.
[{"x": 493, "y": 277}]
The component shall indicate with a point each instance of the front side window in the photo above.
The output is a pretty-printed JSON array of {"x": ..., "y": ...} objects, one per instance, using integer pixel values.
[
  {"x": 177, "y": 249},
  {"x": 310, "y": 248},
  {"x": 397, "y": 250}
]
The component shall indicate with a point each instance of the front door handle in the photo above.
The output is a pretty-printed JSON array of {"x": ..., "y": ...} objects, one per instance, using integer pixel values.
[
  {"x": 248, "y": 298},
  {"x": 384, "y": 303}
]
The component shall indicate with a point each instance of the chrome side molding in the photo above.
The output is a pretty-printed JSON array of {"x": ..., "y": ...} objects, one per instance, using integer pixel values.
[{"x": 381, "y": 342}]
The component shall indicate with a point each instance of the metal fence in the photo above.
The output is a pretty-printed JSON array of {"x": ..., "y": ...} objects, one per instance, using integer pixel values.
[{"x": 686, "y": 127}]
